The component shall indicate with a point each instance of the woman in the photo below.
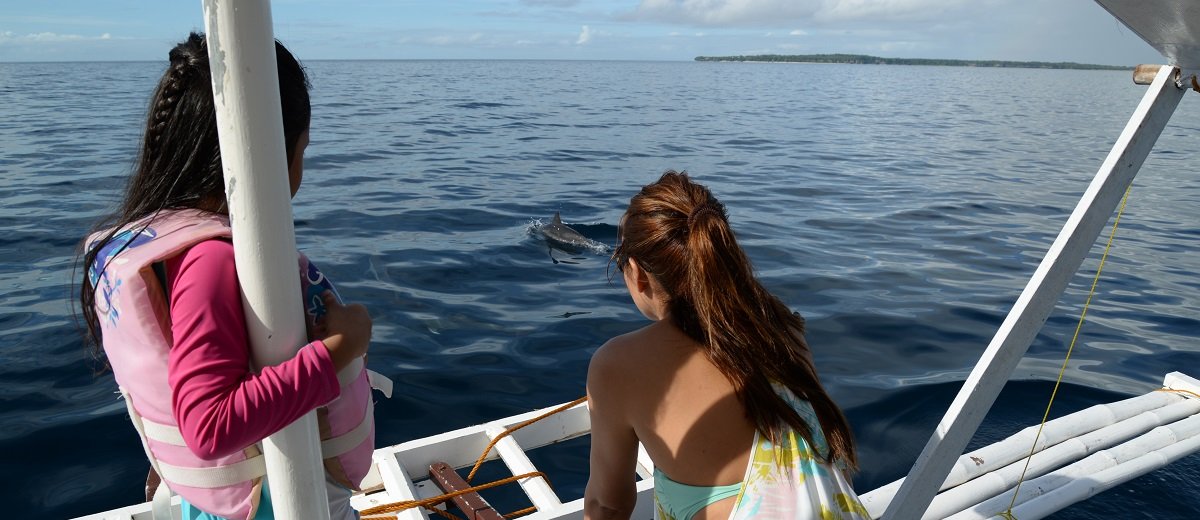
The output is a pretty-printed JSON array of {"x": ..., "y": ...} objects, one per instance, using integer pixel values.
[{"x": 720, "y": 389}]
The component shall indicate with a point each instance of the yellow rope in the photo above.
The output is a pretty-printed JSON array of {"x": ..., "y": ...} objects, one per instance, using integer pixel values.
[
  {"x": 381, "y": 510},
  {"x": 1008, "y": 514}
]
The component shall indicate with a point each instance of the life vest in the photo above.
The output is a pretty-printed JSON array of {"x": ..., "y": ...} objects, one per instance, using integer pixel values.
[{"x": 136, "y": 330}]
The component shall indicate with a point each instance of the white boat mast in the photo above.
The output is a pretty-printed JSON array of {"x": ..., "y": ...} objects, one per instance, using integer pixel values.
[{"x": 241, "y": 49}]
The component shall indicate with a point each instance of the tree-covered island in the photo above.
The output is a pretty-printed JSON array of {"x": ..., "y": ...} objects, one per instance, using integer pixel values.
[{"x": 875, "y": 60}]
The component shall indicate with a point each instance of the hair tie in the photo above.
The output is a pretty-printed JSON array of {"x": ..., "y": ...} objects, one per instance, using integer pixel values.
[{"x": 700, "y": 210}]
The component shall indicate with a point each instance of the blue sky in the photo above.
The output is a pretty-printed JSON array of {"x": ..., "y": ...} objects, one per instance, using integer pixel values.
[{"x": 1033, "y": 30}]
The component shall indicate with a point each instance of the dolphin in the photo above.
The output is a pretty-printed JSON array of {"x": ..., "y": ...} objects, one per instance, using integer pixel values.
[{"x": 560, "y": 236}]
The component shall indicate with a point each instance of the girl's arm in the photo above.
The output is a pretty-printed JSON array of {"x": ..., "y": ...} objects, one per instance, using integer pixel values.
[
  {"x": 611, "y": 490},
  {"x": 220, "y": 404}
]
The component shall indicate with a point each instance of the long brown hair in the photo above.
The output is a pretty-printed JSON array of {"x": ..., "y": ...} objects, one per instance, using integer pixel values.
[
  {"x": 679, "y": 233},
  {"x": 179, "y": 164}
]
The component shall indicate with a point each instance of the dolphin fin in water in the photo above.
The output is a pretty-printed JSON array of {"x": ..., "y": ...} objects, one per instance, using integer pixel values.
[{"x": 562, "y": 237}]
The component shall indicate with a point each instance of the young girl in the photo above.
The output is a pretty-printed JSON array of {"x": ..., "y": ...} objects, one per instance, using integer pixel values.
[
  {"x": 720, "y": 389},
  {"x": 162, "y": 303}
]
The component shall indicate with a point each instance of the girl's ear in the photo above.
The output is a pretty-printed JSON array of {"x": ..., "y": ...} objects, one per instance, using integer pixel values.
[{"x": 640, "y": 277}]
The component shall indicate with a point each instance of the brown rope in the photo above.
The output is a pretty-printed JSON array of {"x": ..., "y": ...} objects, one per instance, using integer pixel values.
[
  {"x": 431, "y": 501},
  {"x": 516, "y": 427},
  {"x": 381, "y": 511},
  {"x": 1185, "y": 393},
  {"x": 525, "y": 511}
]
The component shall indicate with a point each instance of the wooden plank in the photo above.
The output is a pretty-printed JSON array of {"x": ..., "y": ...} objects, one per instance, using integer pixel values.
[
  {"x": 471, "y": 504},
  {"x": 1145, "y": 74},
  {"x": 1038, "y": 299}
]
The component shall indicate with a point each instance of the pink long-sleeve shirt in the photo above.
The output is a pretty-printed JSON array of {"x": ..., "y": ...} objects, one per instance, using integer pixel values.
[{"x": 221, "y": 405}]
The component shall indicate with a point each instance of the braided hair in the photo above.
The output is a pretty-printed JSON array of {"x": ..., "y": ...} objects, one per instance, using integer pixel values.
[{"x": 179, "y": 165}]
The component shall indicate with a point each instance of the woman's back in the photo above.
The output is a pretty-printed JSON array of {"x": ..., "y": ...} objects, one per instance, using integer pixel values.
[
  {"x": 682, "y": 409},
  {"x": 720, "y": 389}
]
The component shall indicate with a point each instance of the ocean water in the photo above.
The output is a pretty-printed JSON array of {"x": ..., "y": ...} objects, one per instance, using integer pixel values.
[{"x": 901, "y": 210}]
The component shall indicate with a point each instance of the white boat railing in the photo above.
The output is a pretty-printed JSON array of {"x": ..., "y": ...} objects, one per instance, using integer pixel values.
[
  {"x": 1077, "y": 456},
  {"x": 402, "y": 468}
]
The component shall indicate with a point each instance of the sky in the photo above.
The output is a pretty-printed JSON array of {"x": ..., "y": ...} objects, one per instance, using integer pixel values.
[{"x": 1022, "y": 30}]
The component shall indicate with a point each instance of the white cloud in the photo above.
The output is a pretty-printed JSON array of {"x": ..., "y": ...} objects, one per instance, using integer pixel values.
[
  {"x": 551, "y": 3},
  {"x": 723, "y": 12},
  {"x": 885, "y": 10},
  {"x": 448, "y": 40},
  {"x": 798, "y": 32},
  {"x": 584, "y": 36},
  {"x": 49, "y": 37},
  {"x": 774, "y": 13}
]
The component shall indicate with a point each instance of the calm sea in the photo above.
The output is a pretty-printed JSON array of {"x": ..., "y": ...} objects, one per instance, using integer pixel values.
[{"x": 900, "y": 209}]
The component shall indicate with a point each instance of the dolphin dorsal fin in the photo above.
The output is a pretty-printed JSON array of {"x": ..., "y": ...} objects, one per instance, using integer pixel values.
[{"x": 556, "y": 220}]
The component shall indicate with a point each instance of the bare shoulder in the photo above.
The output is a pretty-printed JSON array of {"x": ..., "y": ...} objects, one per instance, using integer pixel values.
[
  {"x": 614, "y": 358},
  {"x": 624, "y": 362}
]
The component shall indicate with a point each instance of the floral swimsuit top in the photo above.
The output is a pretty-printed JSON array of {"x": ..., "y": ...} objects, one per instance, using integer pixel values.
[{"x": 785, "y": 480}]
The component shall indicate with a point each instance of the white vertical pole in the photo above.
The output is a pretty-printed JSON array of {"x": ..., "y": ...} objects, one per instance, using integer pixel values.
[
  {"x": 1038, "y": 299},
  {"x": 241, "y": 48}
]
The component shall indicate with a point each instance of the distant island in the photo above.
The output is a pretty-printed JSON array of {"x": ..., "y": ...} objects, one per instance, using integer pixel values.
[{"x": 875, "y": 60}]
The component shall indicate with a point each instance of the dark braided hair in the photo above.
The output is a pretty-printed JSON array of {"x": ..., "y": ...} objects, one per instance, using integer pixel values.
[
  {"x": 179, "y": 165},
  {"x": 170, "y": 88}
]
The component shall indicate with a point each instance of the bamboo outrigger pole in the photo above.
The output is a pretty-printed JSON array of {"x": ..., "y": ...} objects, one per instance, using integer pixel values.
[{"x": 241, "y": 49}]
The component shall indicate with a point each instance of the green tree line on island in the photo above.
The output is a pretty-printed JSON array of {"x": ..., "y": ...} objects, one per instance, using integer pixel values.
[{"x": 875, "y": 60}]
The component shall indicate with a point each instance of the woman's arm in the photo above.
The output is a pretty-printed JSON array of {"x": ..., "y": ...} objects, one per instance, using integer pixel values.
[
  {"x": 611, "y": 489},
  {"x": 220, "y": 404}
]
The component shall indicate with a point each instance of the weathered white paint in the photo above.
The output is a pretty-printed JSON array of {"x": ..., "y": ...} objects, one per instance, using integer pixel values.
[
  {"x": 399, "y": 483},
  {"x": 461, "y": 448},
  {"x": 1017, "y": 446},
  {"x": 1038, "y": 299},
  {"x": 241, "y": 48},
  {"x": 1107, "y": 469},
  {"x": 998, "y": 481},
  {"x": 536, "y": 488},
  {"x": 1181, "y": 381}
]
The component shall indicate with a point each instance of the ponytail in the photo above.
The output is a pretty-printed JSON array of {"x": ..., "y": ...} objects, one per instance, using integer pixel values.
[{"x": 680, "y": 234}]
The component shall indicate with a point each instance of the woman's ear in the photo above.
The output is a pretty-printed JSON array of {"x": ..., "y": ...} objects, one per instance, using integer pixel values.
[{"x": 641, "y": 278}]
